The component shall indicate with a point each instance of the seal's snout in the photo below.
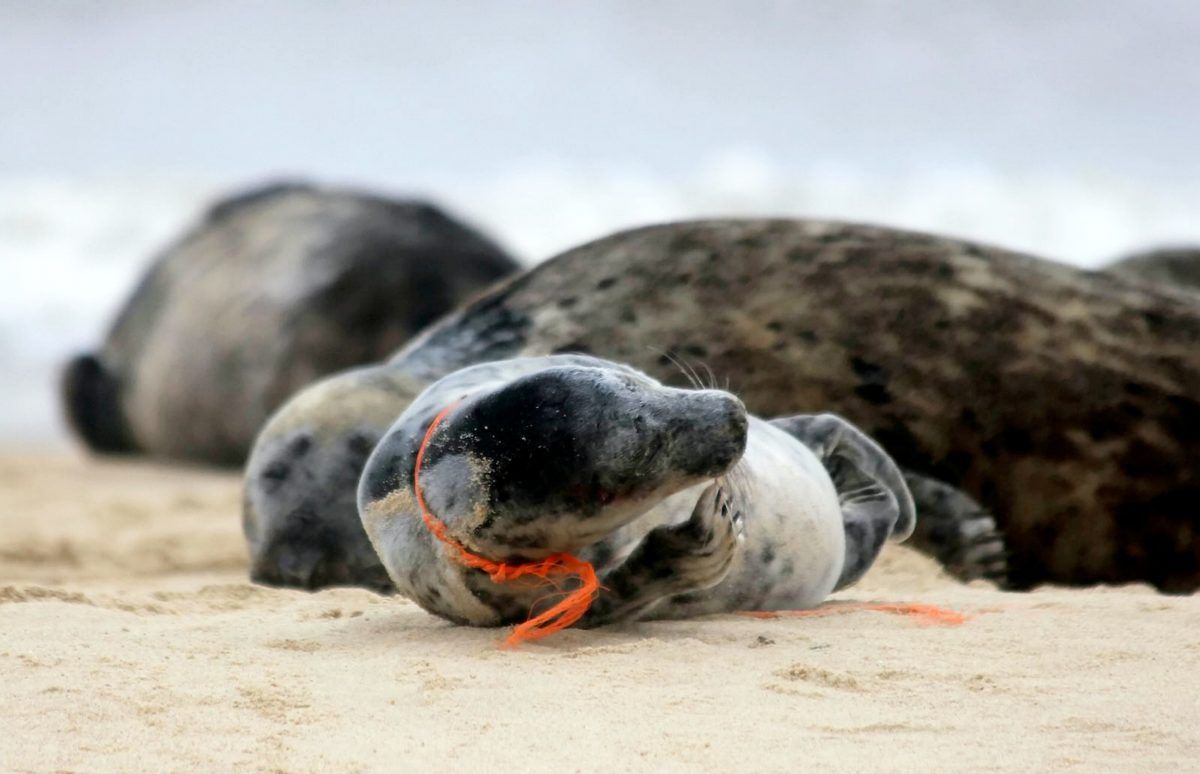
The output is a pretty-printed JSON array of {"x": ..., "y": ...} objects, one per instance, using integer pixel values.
[
  {"x": 714, "y": 432},
  {"x": 312, "y": 567},
  {"x": 293, "y": 568},
  {"x": 91, "y": 403}
]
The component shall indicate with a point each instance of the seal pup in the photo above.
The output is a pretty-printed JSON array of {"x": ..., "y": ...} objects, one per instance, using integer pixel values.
[
  {"x": 684, "y": 504},
  {"x": 274, "y": 288},
  {"x": 1067, "y": 402}
]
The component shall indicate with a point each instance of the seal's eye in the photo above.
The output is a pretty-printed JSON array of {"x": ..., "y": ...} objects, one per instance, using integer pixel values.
[{"x": 605, "y": 497}]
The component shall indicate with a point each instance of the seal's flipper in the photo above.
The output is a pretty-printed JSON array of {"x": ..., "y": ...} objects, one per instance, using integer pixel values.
[
  {"x": 875, "y": 500},
  {"x": 691, "y": 556},
  {"x": 957, "y": 531},
  {"x": 91, "y": 400}
]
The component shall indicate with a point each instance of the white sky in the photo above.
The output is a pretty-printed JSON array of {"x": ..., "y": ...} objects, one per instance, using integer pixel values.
[{"x": 421, "y": 92}]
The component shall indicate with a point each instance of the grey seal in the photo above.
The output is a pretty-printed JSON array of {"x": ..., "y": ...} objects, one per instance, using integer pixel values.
[
  {"x": 684, "y": 504},
  {"x": 1066, "y": 402},
  {"x": 272, "y": 289},
  {"x": 1177, "y": 268}
]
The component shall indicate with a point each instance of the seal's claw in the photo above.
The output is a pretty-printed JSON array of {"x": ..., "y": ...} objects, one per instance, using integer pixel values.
[
  {"x": 957, "y": 531},
  {"x": 704, "y": 545}
]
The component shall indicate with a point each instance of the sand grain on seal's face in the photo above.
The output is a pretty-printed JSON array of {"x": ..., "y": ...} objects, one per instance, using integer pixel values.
[
  {"x": 398, "y": 501},
  {"x": 480, "y": 485}
]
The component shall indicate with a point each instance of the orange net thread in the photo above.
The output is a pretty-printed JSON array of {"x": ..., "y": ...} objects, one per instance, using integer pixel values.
[
  {"x": 926, "y": 613},
  {"x": 567, "y": 611}
]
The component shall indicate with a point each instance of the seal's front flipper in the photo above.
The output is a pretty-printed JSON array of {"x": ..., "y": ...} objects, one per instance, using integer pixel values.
[
  {"x": 957, "y": 531},
  {"x": 691, "y": 556},
  {"x": 91, "y": 401},
  {"x": 875, "y": 500}
]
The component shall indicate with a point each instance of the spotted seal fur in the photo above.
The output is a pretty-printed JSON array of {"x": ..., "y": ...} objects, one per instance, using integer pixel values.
[
  {"x": 1065, "y": 401},
  {"x": 685, "y": 504},
  {"x": 273, "y": 289}
]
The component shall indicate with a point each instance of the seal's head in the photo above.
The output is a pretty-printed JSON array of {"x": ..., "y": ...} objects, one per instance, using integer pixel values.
[
  {"x": 550, "y": 461},
  {"x": 299, "y": 514}
]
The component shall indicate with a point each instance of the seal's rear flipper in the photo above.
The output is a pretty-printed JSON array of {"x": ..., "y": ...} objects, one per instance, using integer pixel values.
[
  {"x": 91, "y": 402},
  {"x": 874, "y": 498},
  {"x": 957, "y": 531}
]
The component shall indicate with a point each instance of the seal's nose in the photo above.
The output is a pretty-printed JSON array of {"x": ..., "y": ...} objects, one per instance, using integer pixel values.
[
  {"x": 310, "y": 567},
  {"x": 293, "y": 567},
  {"x": 717, "y": 428}
]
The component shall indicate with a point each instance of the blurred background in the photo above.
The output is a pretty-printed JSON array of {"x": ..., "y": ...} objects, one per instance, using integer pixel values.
[{"x": 1065, "y": 128}]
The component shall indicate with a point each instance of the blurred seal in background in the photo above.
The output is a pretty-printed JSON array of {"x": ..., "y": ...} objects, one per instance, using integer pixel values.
[
  {"x": 1177, "y": 268},
  {"x": 272, "y": 289}
]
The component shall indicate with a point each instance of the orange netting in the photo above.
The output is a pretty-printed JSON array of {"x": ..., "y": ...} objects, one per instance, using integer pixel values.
[
  {"x": 927, "y": 613},
  {"x": 566, "y": 612}
]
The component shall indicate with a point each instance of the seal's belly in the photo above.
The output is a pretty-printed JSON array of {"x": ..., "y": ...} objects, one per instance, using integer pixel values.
[{"x": 794, "y": 538}]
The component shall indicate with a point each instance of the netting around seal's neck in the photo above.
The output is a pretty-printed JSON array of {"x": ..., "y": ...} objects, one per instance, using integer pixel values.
[{"x": 562, "y": 614}]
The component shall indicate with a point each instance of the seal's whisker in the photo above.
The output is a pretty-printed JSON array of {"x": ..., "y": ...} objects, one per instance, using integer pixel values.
[
  {"x": 691, "y": 377},
  {"x": 711, "y": 384},
  {"x": 697, "y": 382}
]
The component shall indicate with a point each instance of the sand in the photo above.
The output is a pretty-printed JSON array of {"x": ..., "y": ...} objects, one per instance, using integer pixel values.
[{"x": 130, "y": 639}]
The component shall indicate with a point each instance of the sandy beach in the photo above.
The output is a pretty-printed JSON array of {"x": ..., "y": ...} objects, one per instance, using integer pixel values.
[{"x": 130, "y": 639}]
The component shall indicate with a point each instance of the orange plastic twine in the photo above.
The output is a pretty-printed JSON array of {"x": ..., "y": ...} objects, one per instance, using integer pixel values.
[
  {"x": 927, "y": 613},
  {"x": 566, "y": 612}
]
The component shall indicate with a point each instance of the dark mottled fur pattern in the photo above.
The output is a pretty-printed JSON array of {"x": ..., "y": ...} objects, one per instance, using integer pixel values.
[
  {"x": 275, "y": 288},
  {"x": 1067, "y": 402}
]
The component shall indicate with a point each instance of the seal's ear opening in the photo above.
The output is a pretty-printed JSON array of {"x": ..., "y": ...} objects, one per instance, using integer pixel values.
[{"x": 90, "y": 401}]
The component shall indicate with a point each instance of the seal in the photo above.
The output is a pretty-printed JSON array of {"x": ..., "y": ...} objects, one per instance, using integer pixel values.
[
  {"x": 1065, "y": 402},
  {"x": 684, "y": 504},
  {"x": 274, "y": 288},
  {"x": 1177, "y": 268}
]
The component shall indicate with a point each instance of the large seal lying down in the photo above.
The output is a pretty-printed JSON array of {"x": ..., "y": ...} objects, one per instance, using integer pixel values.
[
  {"x": 1066, "y": 401},
  {"x": 684, "y": 504},
  {"x": 272, "y": 290}
]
